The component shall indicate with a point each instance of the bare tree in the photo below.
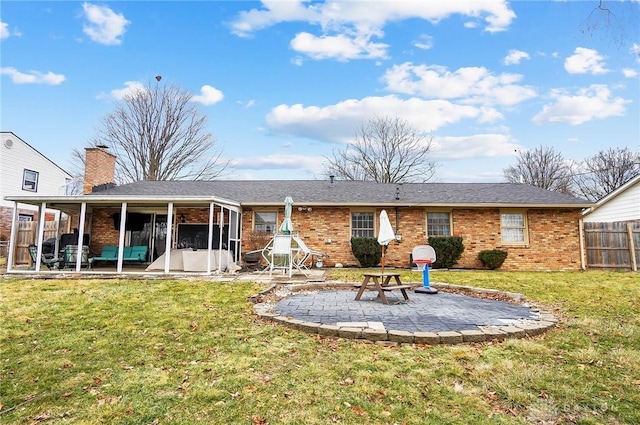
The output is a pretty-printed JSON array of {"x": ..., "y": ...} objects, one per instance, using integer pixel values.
[
  {"x": 606, "y": 171},
  {"x": 542, "y": 167},
  {"x": 613, "y": 20},
  {"x": 157, "y": 133},
  {"x": 386, "y": 150}
]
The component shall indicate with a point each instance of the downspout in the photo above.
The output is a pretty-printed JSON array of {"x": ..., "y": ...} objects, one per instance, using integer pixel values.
[{"x": 398, "y": 235}]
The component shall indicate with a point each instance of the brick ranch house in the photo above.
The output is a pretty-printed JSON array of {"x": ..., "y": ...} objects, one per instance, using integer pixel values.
[{"x": 540, "y": 229}]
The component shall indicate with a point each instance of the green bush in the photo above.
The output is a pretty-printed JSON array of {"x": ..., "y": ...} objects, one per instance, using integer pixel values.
[
  {"x": 492, "y": 258},
  {"x": 448, "y": 250},
  {"x": 367, "y": 250}
]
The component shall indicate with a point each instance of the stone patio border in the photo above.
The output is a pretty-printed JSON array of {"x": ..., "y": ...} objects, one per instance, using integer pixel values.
[{"x": 371, "y": 332}]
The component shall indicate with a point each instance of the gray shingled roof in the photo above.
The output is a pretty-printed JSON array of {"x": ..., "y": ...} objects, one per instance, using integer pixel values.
[{"x": 322, "y": 192}]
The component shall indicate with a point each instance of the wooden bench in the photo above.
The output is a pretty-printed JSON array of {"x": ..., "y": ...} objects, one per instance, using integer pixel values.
[{"x": 381, "y": 282}]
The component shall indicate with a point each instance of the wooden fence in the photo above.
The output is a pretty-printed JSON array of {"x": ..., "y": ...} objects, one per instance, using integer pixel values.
[
  {"x": 613, "y": 246},
  {"x": 27, "y": 231}
]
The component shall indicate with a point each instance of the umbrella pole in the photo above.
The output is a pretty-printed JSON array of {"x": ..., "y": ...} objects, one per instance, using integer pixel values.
[{"x": 382, "y": 262}]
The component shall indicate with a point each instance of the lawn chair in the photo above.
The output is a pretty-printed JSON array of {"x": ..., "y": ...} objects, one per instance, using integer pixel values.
[
  {"x": 71, "y": 256},
  {"x": 48, "y": 260},
  {"x": 279, "y": 254},
  {"x": 304, "y": 254}
]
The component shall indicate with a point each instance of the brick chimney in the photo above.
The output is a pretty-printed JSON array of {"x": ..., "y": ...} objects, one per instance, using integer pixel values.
[{"x": 99, "y": 168}]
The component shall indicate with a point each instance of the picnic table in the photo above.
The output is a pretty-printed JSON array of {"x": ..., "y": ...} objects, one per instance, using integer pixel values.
[{"x": 381, "y": 282}]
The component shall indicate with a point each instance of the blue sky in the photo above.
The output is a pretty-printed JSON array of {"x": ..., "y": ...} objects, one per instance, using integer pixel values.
[{"x": 283, "y": 83}]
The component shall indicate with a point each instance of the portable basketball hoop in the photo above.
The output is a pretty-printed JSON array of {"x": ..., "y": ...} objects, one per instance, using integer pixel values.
[{"x": 423, "y": 256}]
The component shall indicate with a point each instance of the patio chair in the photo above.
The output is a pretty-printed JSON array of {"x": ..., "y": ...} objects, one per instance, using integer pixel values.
[
  {"x": 71, "y": 256},
  {"x": 304, "y": 254},
  {"x": 48, "y": 260},
  {"x": 279, "y": 254}
]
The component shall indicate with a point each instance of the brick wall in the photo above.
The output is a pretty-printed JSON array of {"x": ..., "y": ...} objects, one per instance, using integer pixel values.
[
  {"x": 553, "y": 236},
  {"x": 554, "y": 241}
]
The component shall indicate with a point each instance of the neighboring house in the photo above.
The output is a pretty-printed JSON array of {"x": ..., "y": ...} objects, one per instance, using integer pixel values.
[
  {"x": 26, "y": 172},
  {"x": 538, "y": 228},
  {"x": 612, "y": 229},
  {"x": 623, "y": 204}
]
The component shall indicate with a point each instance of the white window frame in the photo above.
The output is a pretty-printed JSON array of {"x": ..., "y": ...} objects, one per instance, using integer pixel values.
[
  {"x": 511, "y": 227},
  {"x": 363, "y": 229},
  {"x": 30, "y": 184},
  {"x": 256, "y": 227},
  {"x": 448, "y": 212}
]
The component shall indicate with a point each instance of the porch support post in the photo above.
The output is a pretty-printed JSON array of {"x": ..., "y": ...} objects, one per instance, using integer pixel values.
[
  {"x": 167, "y": 247},
  {"x": 235, "y": 230},
  {"x": 40, "y": 235},
  {"x": 123, "y": 224},
  {"x": 210, "y": 238},
  {"x": 12, "y": 237},
  {"x": 583, "y": 250},
  {"x": 222, "y": 239},
  {"x": 79, "y": 252}
]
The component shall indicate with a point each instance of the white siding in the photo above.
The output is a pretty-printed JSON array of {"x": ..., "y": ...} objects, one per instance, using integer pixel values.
[
  {"x": 20, "y": 156},
  {"x": 623, "y": 207}
]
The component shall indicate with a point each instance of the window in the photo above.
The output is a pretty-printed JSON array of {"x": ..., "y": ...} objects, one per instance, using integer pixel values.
[
  {"x": 25, "y": 217},
  {"x": 438, "y": 224},
  {"x": 513, "y": 227},
  {"x": 30, "y": 181},
  {"x": 362, "y": 225},
  {"x": 265, "y": 221}
]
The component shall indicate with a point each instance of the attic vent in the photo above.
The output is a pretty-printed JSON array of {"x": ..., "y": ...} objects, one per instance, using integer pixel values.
[{"x": 8, "y": 143}]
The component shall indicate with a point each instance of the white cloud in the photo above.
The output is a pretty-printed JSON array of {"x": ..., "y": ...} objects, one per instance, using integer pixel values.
[
  {"x": 210, "y": 95},
  {"x": 346, "y": 28},
  {"x": 629, "y": 72},
  {"x": 246, "y": 105},
  {"x": 514, "y": 57},
  {"x": 340, "y": 47},
  {"x": 474, "y": 146},
  {"x": 33, "y": 77},
  {"x": 470, "y": 84},
  {"x": 336, "y": 123},
  {"x": 308, "y": 164},
  {"x": 424, "y": 42},
  {"x": 635, "y": 50},
  {"x": 594, "y": 102},
  {"x": 4, "y": 30},
  {"x": 104, "y": 26},
  {"x": 276, "y": 161},
  {"x": 585, "y": 61},
  {"x": 131, "y": 88}
]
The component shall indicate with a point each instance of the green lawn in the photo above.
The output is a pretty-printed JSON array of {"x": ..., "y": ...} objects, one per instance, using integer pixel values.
[{"x": 192, "y": 352}]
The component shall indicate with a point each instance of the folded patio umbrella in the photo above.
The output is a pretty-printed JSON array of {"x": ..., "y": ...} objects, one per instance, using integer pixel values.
[
  {"x": 385, "y": 234},
  {"x": 287, "y": 226}
]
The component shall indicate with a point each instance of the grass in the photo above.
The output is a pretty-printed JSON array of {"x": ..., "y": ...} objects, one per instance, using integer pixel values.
[{"x": 192, "y": 352}]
